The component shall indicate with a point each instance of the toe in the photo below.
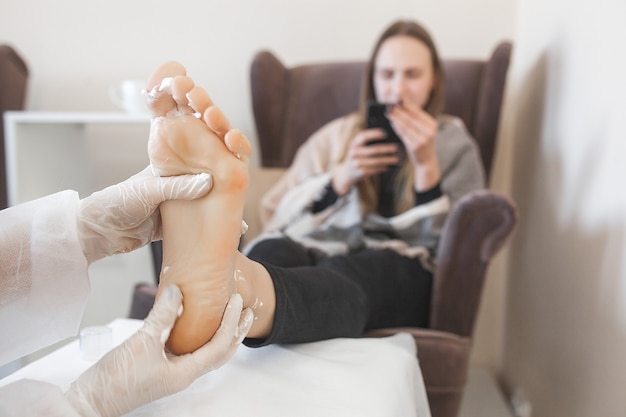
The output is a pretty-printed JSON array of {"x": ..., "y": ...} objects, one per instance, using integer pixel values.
[
  {"x": 165, "y": 70},
  {"x": 199, "y": 99},
  {"x": 217, "y": 121},
  {"x": 181, "y": 85},
  {"x": 238, "y": 143}
]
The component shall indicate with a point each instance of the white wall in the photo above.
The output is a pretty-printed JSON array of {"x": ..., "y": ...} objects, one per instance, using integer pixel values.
[
  {"x": 566, "y": 315},
  {"x": 77, "y": 49}
]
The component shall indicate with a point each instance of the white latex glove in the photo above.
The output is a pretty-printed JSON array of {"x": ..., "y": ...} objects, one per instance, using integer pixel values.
[
  {"x": 125, "y": 216},
  {"x": 140, "y": 370}
]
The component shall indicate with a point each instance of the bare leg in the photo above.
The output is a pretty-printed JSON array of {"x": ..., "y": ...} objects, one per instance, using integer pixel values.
[{"x": 200, "y": 238}]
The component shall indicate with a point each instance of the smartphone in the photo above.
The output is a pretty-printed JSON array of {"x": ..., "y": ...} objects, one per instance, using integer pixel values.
[{"x": 376, "y": 118}]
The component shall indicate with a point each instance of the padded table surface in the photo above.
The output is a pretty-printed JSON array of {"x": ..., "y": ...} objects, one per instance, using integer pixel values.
[{"x": 338, "y": 377}]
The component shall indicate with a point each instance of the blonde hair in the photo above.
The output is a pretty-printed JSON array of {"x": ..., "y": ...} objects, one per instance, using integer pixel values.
[{"x": 403, "y": 186}]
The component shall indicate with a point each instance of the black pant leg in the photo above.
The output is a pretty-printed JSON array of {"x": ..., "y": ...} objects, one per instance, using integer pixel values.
[
  {"x": 313, "y": 303},
  {"x": 282, "y": 252},
  {"x": 341, "y": 296},
  {"x": 398, "y": 289}
]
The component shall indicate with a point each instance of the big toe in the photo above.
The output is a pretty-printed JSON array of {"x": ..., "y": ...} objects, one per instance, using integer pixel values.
[
  {"x": 165, "y": 70},
  {"x": 161, "y": 96}
]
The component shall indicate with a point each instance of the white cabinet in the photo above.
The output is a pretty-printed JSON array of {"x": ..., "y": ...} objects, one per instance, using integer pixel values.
[{"x": 48, "y": 152}]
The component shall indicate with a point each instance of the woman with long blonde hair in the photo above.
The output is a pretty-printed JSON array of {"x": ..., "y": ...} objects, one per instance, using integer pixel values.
[{"x": 354, "y": 223}]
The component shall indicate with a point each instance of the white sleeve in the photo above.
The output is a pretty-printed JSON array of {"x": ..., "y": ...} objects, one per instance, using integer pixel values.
[
  {"x": 44, "y": 284},
  {"x": 29, "y": 398}
]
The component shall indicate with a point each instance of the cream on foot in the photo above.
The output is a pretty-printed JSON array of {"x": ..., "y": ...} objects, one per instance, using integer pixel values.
[{"x": 188, "y": 134}]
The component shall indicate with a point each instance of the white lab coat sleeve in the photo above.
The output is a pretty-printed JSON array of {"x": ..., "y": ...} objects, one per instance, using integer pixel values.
[
  {"x": 29, "y": 398},
  {"x": 44, "y": 284}
]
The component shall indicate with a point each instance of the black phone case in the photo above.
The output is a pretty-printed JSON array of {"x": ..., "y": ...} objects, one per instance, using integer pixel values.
[{"x": 376, "y": 119}]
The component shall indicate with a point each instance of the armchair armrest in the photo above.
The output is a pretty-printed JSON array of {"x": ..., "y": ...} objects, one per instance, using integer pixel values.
[
  {"x": 432, "y": 347},
  {"x": 475, "y": 230}
]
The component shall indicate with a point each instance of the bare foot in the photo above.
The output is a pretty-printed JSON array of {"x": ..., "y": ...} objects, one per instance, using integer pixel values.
[{"x": 189, "y": 134}]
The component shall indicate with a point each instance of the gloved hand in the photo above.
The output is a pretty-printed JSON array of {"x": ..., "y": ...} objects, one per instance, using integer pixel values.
[
  {"x": 140, "y": 371},
  {"x": 125, "y": 216}
]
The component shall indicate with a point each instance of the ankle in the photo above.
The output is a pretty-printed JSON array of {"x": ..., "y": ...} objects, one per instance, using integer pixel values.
[{"x": 255, "y": 286}]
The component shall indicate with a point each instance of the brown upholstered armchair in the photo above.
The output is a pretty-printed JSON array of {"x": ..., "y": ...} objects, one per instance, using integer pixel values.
[
  {"x": 13, "y": 81},
  {"x": 291, "y": 103}
]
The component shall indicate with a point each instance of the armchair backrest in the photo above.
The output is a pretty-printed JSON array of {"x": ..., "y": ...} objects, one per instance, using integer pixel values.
[
  {"x": 290, "y": 104},
  {"x": 13, "y": 79}
]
